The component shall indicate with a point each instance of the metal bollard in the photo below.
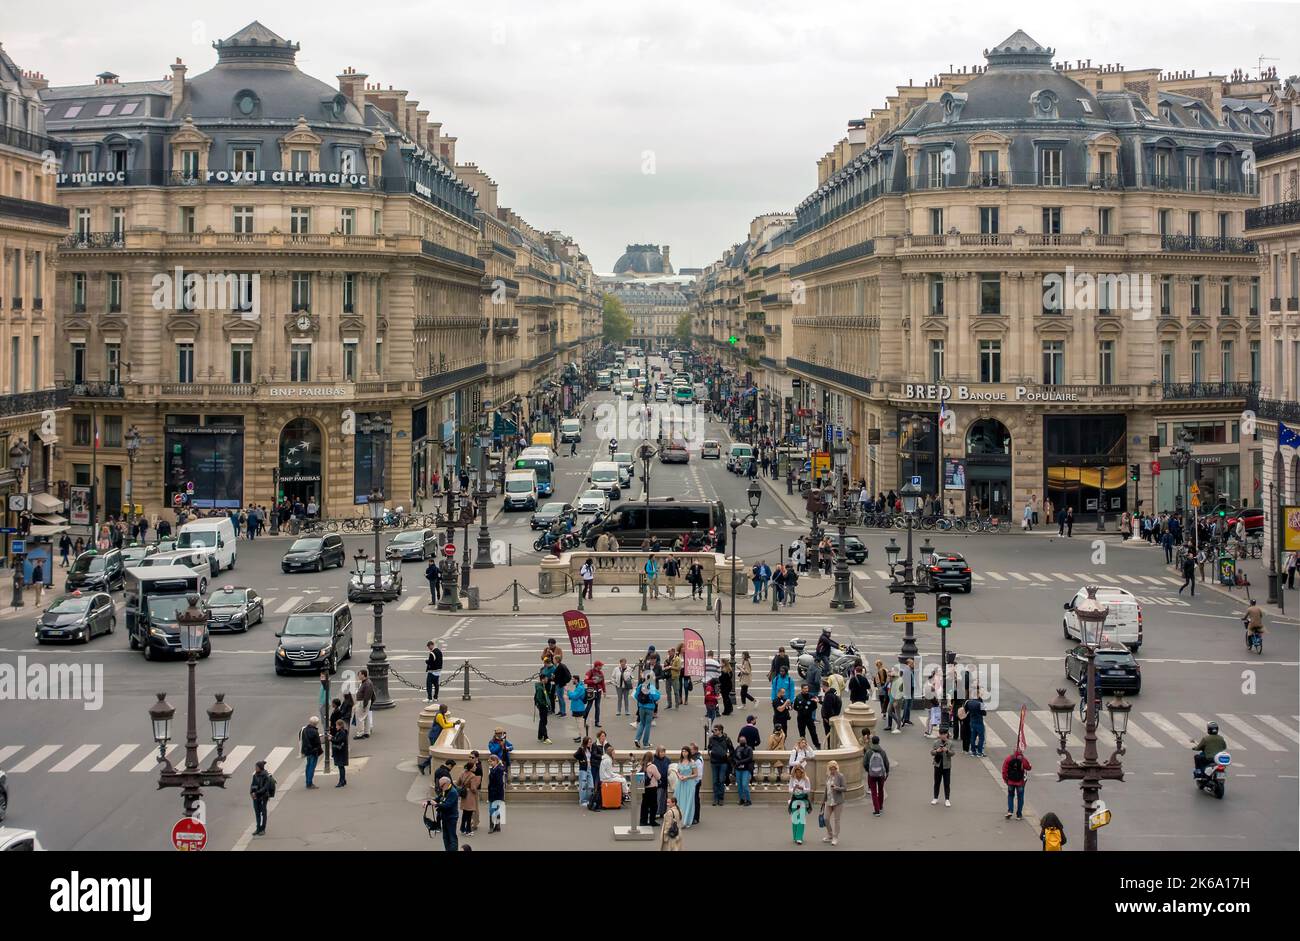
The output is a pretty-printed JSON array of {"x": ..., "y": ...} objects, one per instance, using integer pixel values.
[
  {"x": 772, "y": 589},
  {"x": 510, "y": 554},
  {"x": 642, "y": 580},
  {"x": 581, "y": 592},
  {"x": 709, "y": 602},
  {"x": 465, "y": 695},
  {"x": 514, "y": 587}
]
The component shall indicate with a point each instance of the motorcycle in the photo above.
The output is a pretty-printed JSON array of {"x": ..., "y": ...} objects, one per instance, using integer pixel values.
[
  {"x": 1214, "y": 776},
  {"x": 842, "y": 661},
  {"x": 546, "y": 540}
]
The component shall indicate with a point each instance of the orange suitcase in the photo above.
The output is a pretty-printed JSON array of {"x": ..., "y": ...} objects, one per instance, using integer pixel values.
[{"x": 611, "y": 795}]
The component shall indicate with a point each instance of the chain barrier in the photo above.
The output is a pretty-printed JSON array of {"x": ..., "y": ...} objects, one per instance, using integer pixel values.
[
  {"x": 532, "y": 677},
  {"x": 497, "y": 595}
]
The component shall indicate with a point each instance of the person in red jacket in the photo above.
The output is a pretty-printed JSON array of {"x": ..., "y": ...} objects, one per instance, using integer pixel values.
[
  {"x": 595, "y": 681},
  {"x": 1015, "y": 768}
]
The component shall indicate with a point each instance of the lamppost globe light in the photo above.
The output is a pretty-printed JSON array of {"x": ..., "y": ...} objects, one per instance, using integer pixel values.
[
  {"x": 755, "y": 495},
  {"x": 1062, "y": 714},
  {"x": 376, "y": 506},
  {"x": 359, "y": 562},
  {"x": 1118, "y": 710},
  {"x": 892, "y": 550},
  {"x": 219, "y": 714},
  {"x": 160, "y": 717}
]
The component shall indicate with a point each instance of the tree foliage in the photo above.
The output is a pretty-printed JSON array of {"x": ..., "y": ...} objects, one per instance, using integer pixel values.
[
  {"x": 684, "y": 331},
  {"x": 617, "y": 325}
]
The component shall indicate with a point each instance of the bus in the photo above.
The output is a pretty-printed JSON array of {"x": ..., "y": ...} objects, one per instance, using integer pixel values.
[
  {"x": 634, "y": 372},
  {"x": 683, "y": 394},
  {"x": 543, "y": 467},
  {"x": 604, "y": 379}
]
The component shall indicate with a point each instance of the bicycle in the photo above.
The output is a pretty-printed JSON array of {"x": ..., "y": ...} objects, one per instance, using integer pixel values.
[{"x": 1255, "y": 641}]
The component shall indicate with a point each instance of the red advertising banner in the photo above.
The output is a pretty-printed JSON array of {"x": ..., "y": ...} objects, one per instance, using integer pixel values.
[
  {"x": 579, "y": 630},
  {"x": 693, "y": 653}
]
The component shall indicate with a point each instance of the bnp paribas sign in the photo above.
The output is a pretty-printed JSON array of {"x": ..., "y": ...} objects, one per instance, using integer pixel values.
[{"x": 285, "y": 178}]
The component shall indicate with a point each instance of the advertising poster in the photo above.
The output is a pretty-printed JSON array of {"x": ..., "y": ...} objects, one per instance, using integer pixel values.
[
  {"x": 578, "y": 628},
  {"x": 1291, "y": 528},
  {"x": 79, "y": 506},
  {"x": 954, "y": 473},
  {"x": 693, "y": 653}
]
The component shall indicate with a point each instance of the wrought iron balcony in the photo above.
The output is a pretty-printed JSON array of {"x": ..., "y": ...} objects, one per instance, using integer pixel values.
[
  {"x": 85, "y": 240},
  {"x": 1287, "y": 213},
  {"x": 30, "y": 211},
  {"x": 97, "y": 390},
  {"x": 1278, "y": 144},
  {"x": 1178, "y": 391},
  {"x": 1215, "y": 244},
  {"x": 25, "y": 140},
  {"x": 24, "y": 403}
]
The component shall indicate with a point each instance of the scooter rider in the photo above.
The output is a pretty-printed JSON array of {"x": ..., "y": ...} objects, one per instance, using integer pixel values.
[
  {"x": 613, "y": 446},
  {"x": 823, "y": 651},
  {"x": 1210, "y": 745}
]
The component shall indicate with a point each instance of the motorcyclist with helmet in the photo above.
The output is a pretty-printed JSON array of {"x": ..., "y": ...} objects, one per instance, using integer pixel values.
[
  {"x": 1211, "y": 744},
  {"x": 823, "y": 652}
]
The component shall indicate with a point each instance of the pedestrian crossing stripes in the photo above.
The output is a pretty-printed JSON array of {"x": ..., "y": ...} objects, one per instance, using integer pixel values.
[
  {"x": 1243, "y": 734},
  {"x": 1045, "y": 579}
]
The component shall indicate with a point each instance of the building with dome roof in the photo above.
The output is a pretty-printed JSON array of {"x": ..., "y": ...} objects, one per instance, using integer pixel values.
[
  {"x": 644, "y": 261},
  {"x": 349, "y": 274},
  {"x": 933, "y": 259}
]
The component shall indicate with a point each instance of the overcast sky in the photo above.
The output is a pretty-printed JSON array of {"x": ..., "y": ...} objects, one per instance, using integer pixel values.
[{"x": 667, "y": 121}]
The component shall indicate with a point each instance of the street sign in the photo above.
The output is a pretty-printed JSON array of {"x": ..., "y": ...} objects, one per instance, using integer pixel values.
[
  {"x": 189, "y": 835},
  {"x": 1155, "y": 468},
  {"x": 8, "y": 530},
  {"x": 449, "y": 550},
  {"x": 1195, "y": 488},
  {"x": 1099, "y": 817},
  {"x": 915, "y": 616},
  {"x": 916, "y": 481},
  {"x": 1196, "y": 502},
  {"x": 177, "y": 499}
]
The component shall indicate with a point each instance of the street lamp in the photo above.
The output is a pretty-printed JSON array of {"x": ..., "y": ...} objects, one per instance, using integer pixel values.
[
  {"x": 755, "y": 495},
  {"x": 132, "y": 452},
  {"x": 1090, "y": 772},
  {"x": 466, "y": 503},
  {"x": 843, "y": 597},
  {"x": 20, "y": 456},
  {"x": 906, "y": 586},
  {"x": 193, "y": 622},
  {"x": 377, "y": 665},
  {"x": 647, "y": 452},
  {"x": 484, "y": 558}
]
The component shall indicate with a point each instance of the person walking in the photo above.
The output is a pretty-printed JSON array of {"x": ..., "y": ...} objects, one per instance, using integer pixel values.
[
  {"x": 339, "y": 751},
  {"x": 780, "y": 659},
  {"x": 262, "y": 789},
  {"x": 805, "y": 710},
  {"x": 1051, "y": 833},
  {"x": 1060, "y": 521},
  {"x": 649, "y": 791},
  {"x": 726, "y": 687},
  {"x": 309, "y": 736},
  {"x": 652, "y": 576},
  {"x": 468, "y": 784},
  {"x": 38, "y": 581},
  {"x": 682, "y": 778},
  {"x": 695, "y": 578},
  {"x": 1189, "y": 572},
  {"x": 908, "y": 674},
  {"x": 670, "y": 830},
  {"x": 721, "y": 757},
  {"x": 496, "y": 794},
  {"x": 542, "y": 703},
  {"x": 800, "y": 804},
  {"x": 791, "y": 586},
  {"x": 588, "y": 575},
  {"x": 1014, "y": 770},
  {"x": 647, "y": 695},
  {"x": 672, "y": 570},
  {"x": 624, "y": 680},
  {"x": 876, "y": 764},
  {"x": 744, "y": 674},
  {"x": 941, "y": 755},
  {"x": 432, "y": 671},
  {"x": 833, "y": 802},
  {"x": 595, "y": 680},
  {"x": 448, "y": 814},
  {"x": 65, "y": 549},
  {"x": 1167, "y": 543},
  {"x": 1069, "y": 522}
]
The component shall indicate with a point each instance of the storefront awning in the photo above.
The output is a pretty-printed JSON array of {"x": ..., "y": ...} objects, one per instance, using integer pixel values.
[
  {"x": 44, "y": 503},
  {"x": 38, "y": 529},
  {"x": 49, "y": 519}
]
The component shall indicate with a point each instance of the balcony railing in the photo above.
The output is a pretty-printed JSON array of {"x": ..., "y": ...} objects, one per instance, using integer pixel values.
[
  {"x": 1278, "y": 144},
  {"x": 434, "y": 250},
  {"x": 27, "y": 210},
  {"x": 85, "y": 240},
  {"x": 238, "y": 390},
  {"x": 861, "y": 250},
  {"x": 1215, "y": 244},
  {"x": 1287, "y": 213},
  {"x": 25, "y": 140},
  {"x": 1177, "y": 391},
  {"x": 849, "y": 380},
  {"x": 534, "y": 300},
  {"x": 24, "y": 403},
  {"x": 1275, "y": 409}
]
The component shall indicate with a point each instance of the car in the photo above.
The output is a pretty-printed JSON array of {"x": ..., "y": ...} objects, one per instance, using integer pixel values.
[
  {"x": 390, "y": 582},
  {"x": 607, "y": 476},
  {"x": 162, "y": 628},
  {"x": 232, "y": 608},
  {"x": 549, "y": 513},
  {"x": 314, "y": 638},
  {"x": 856, "y": 551},
  {"x": 12, "y": 839},
  {"x": 1117, "y": 668},
  {"x": 711, "y": 449},
  {"x": 96, "y": 571},
  {"x": 738, "y": 457},
  {"x": 570, "y": 430},
  {"x": 197, "y": 561},
  {"x": 77, "y": 616},
  {"x": 1253, "y": 517},
  {"x": 940, "y": 569},
  {"x": 417, "y": 545},
  {"x": 1123, "y": 616},
  {"x": 674, "y": 452},
  {"x": 134, "y": 553},
  {"x": 165, "y": 545},
  {"x": 591, "y": 502},
  {"x": 626, "y": 464},
  {"x": 316, "y": 553},
  {"x": 661, "y": 394}
]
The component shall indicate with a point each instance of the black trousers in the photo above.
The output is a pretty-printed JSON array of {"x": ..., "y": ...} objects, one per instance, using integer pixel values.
[
  {"x": 944, "y": 775},
  {"x": 259, "y": 814},
  {"x": 542, "y": 713},
  {"x": 808, "y": 729},
  {"x": 649, "y": 806}
]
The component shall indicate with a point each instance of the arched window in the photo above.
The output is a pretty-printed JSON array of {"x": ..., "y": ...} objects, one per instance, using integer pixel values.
[{"x": 988, "y": 436}]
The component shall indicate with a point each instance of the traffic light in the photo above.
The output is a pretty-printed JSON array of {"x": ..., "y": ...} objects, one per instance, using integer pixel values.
[
  {"x": 943, "y": 610},
  {"x": 1222, "y": 512},
  {"x": 1135, "y": 472}
]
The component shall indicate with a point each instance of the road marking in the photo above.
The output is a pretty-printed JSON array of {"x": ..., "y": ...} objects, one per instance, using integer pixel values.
[
  {"x": 203, "y": 753},
  {"x": 1171, "y": 580},
  {"x": 113, "y": 758},
  {"x": 1012, "y": 721},
  {"x": 883, "y": 575},
  {"x": 8, "y": 752},
  {"x": 236, "y": 758},
  {"x": 861, "y": 573},
  {"x": 289, "y": 605},
  {"x": 1197, "y": 722},
  {"x": 1039, "y": 576},
  {"x": 150, "y": 761},
  {"x": 410, "y": 603},
  {"x": 1130, "y": 579},
  {"x": 1271, "y": 722},
  {"x": 1143, "y": 738},
  {"x": 79, "y": 754},
  {"x": 34, "y": 759},
  {"x": 1250, "y": 733},
  {"x": 1045, "y": 716},
  {"x": 1062, "y": 577},
  {"x": 1164, "y": 725},
  {"x": 1086, "y": 577},
  {"x": 992, "y": 738},
  {"x": 276, "y": 757},
  {"x": 1152, "y": 579},
  {"x": 1018, "y": 577},
  {"x": 997, "y": 577}
]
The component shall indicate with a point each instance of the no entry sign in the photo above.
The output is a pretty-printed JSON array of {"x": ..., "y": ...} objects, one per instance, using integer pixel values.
[
  {"x": 449, "y": 549},
  {"x": 189, "y": 835}
]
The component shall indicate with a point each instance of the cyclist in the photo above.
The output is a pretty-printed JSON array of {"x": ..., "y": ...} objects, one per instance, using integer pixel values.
[{"x": 1253, "y": 619}]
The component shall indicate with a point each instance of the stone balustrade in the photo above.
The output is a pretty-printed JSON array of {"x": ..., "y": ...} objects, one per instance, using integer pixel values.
[
  {"x": 558, "y": 574},
  {"x": 541, "y": 775}
]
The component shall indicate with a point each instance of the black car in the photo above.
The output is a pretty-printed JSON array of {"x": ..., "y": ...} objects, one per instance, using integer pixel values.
[
  {"x": 160, "y": 629},
  {"x": 1117, "y": 668},
  {"x": 944, "y": 570},
  {"x": 857, "y": 549},
  {"x": 96, "y": 571},
  {"x": 314, "y": 553},
  {"x": 314, "y": 638},
  {"x": 413, "y": 545},
  {"x": 234, "y": 609},
  {"x": 552, "y": 512},
  {"x": 77, "y": 616}
]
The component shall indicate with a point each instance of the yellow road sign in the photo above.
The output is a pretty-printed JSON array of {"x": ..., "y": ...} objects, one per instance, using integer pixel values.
[
  {"x": 1196, "y": 502},
  {"x": 1195, "y": 488},
  {"x": 916, "y": 616}
]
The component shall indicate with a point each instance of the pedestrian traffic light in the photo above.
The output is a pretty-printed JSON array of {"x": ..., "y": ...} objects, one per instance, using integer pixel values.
[
  {"x": 943, "y": 610},
  {"x": 1135, "y": 472},
  {"x": 1222, "y": 512}
]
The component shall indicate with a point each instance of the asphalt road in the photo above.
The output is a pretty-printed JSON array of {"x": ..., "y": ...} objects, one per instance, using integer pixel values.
[{"x": 84, "y": 778}]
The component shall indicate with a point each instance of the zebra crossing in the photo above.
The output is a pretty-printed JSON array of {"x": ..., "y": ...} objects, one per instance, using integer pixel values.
[
  {"x": 1134, "y": 583},
  {"x": 1246, "y": 735}
]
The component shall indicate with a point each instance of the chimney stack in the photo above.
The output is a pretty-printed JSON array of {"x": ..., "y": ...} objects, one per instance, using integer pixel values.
[
  {"x": 37, "y": 80},
  {"x": 178, "y": 84},
  {"x": 353, "y": 86},
  {"x": 106, "y": 78},
  {"x": 668, "y": 265},
  {"x": 857, "y": 136}
]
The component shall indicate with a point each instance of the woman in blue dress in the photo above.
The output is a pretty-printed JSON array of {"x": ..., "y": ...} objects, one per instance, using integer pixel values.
[{"x": 683, "y": 777}]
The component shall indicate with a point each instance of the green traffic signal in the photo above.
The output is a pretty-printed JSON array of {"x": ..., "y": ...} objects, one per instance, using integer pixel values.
[
  {"x": 943, "y": 611},
  {"x": 733, "y": 340}
]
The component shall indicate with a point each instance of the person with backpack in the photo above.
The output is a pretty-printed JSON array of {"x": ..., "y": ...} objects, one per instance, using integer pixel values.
[
  {"x": 975, "y": 711},
  {"x": 448, "y": 814},
  {"x": 670, "y": 830},
  {"x": 559, "y": 684},
  {"x": 262, "y": 789},
  {"x": 859, "y": 685},
  {"x": 647, "y": 696},
  {"x": 876, "y": 763},
  {"x": 542, "y": 702},
  {"x": 624, "y": 680},
  {"x": 721, "y": 755},
  {"x": 309, "y": 737},
  {"x": 1014, "y": 769},
  {"x": 1051, "y": 833}
]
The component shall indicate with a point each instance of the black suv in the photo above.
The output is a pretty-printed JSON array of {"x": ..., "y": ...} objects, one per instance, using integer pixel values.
[
  {"x": 941, "y": 569},
  {"x": 857, "y": 549},
  {"x": 315, "y": 553},
  {"x": 314, "y": 638},
  {"x": 1117, "y": 668},
  {"x": 97, "y": 571}
]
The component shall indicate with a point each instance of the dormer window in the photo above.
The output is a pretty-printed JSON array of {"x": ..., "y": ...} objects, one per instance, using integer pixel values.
[
  {"x": 128, "y": 108},
  {"x": 73, "y": 111},
  {"x": 338, "y": 104},
  {"x": 105, "y": 110},
  {"x": 1044, "y": 104},
  {"x": 1086, "y": 105}
]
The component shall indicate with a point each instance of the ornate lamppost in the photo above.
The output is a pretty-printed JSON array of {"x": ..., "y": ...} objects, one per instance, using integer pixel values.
[
  {"x": 843, "y": 597},
  {"x": 906, "y": 585},
  {"x": 133, "y": 441},
  {"x": 483, "y": 560},
  {"x": 193, "y": 622},
  {"x": 646, "y": 453},
  {"x": 467, "y": 515},
  {"x": 755, "y": 495},
  {"x": 1090, "y": 772}
]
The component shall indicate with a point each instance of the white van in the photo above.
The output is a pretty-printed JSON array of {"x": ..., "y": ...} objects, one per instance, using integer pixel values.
[
  {"x": 607, "y": 476},
  {"x": 214, "y": 536},
  {"x": 1123, "y": 617},
  {"x": 570, "y": 430},
  {"x": 199, "y": 563},
  {"x": 521, "y": 490}
]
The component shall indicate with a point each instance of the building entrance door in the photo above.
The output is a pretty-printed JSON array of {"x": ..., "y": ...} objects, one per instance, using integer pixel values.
[{"x": 300, "y": 463}]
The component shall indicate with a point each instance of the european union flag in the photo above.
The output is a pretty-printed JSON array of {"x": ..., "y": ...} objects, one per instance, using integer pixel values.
[{"x": 1286, "y": 437}]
